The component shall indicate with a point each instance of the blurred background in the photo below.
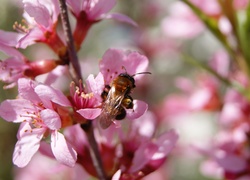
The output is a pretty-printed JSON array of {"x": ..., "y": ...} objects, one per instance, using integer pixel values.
[{"x": 164, "y": 51}]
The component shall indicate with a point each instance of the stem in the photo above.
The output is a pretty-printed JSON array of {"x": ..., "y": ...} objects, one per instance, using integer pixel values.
[
  {"x": 88, "y": 128},
  {"x": 94, "y": 152},
  {"x": 227, "y": 82},
  {"x": 70, "y": 41}
]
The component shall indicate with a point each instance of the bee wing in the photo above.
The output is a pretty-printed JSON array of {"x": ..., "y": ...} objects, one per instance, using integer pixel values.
[
  {"x": 110, "y": 108},
  {"x": 105, "y": 120}
]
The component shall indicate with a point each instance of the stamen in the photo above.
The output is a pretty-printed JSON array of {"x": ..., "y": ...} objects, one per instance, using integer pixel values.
[{"x": 20, "y": 28}]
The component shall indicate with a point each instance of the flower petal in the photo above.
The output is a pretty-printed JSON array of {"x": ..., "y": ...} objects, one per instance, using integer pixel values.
[
  {"x": 62, "y": 150},
  {"x": 142, "y": 156},
  {"x": 48, "y": 94},
  {"x": 166, "y": 143},
  {"x": 231, "y": 162},
  {"x": 27, "y": 145},
  {"x": 30, "y": 38},
  {"x": 96, "y": 85},
  {"x": 16, "y": 110},
  {"x": 10, "y": 39},
  {"x": 51, "y": 119},
  {"x": 115, "y": 62},
  {"x": 121, "y": 18},
  {"x": 101, "y": 7},
  {"x": 140, "y": 107},
  {"x": 26, "y": 90},
  {"x": 90, "y": 113},
  {"x": 117, "y": 175}
]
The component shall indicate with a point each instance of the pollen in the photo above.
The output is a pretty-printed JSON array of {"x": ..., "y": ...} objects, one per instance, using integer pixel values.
[
  {"x": 20, "y": 28},
  {"x": 87, "y": 96}
]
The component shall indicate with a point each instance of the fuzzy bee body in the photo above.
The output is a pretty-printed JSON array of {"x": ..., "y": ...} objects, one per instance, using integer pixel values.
[{"x": 117, "y": 98}]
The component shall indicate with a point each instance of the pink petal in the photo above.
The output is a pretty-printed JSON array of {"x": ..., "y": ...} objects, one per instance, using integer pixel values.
[
  {"x": 200, "y": 99},
  {"x": 117, "y": 175},
  {"x": 220, "y": 62},
  {"x": 63, "y": 152},
  {"x": 48, "y": 94},
  {"x": 16, "y": 110},
  {"x": 56, "y": 73},
  {"x": 212, "y": 169},
  {"x": 10, "y": 51},
  {"x": 112, "y": 64},
  {"x": 96, "y": 85},
  {"x": 30, "y": 38},
  {"x": 139, "y": 109},
  {"x": 145, "y": 125},
  {"x": 74, "y": 6},
  {"x": 166, "y": 143},
  {"x": 27, "y": 146},
  {"x": 45, "y": 149},
  {"x": 231, "y": 162},
  {"x": 101, "y": 7},
  {"x": 117, "y": 61},
  {"x": 240, "y": 4},
  {"x": 9, "y": 38},
  {"x": 51, "y": 119},
  {"x": 121, "y": 18},
  {"x": 182, "y": 22},
  {"x": 26, "y": 90},
  {"x": 142, "y": 156},
  {"x": 90, "y": 113},
  {"x": 38, "y": 11},
  {"x": 136, "y": 63}
]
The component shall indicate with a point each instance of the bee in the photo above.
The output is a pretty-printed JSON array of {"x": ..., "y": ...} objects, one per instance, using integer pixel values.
[{"x": 116, "y": 98}]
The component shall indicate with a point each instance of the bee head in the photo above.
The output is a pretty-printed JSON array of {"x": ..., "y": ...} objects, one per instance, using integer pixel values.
[{"x": 130, "y": 78}]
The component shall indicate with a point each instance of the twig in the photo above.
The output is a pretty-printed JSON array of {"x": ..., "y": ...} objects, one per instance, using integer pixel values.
[
  {"x": 88, "y": 128},
  {"x": 69, "y": 40},
  {"x": 94, "y": 152}
]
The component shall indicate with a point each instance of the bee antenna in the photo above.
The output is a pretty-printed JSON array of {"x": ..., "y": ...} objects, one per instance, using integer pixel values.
[
  {"x": 123, "y": 67},
  {"x": 141, "y": 73}
]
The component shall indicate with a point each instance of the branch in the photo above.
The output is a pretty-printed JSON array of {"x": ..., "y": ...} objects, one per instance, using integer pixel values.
[
  {"x": 70, "y": 41},
  {"x": 94, "y": 152}
]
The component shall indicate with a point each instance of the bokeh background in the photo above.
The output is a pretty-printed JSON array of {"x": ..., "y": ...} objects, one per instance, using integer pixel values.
[{"x": 166, "y": 64}]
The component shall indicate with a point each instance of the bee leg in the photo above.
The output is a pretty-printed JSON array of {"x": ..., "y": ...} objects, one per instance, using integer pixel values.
[
  {"x": 127, "y": 102},
  {"x": 122, "y": 114}
]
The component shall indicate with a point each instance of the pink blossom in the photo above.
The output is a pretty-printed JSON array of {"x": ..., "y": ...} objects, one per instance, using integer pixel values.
[
  {"x": 89, "y": 12},
  {"x": 182, "y": 22},
  {"x": 115, "y": 62},
  {"x": 17, "y": 65},
  {"x": 220, "y": 62},
  {"x": 48, "y": 169},
  {"x": 41, "y": 18},
  {"x": 87, "y": 101},
  {"x": 133, "y": 155},
  {"x": 96, "y": 10},
  {"x": 235, "y": 109},
  {"x": 36, "y": 110},
  {"x": 240, "y": 4},
  {"x": 149, "y": 152},
  {"x": 210, "y": 7},
  {"x": 204, "y": 96},
  {"x": 226, "y": 155}
]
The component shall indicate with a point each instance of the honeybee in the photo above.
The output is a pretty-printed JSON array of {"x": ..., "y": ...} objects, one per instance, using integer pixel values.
[{"x": 116, "y": 98}]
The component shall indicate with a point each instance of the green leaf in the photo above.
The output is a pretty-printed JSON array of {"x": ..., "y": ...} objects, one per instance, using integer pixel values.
[{"x": 244, "y": 33}]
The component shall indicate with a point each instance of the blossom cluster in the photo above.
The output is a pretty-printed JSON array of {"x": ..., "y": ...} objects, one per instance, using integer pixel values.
[
  {"x": 114, "y": 113},
  {"x": 55, "y": 122}
]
